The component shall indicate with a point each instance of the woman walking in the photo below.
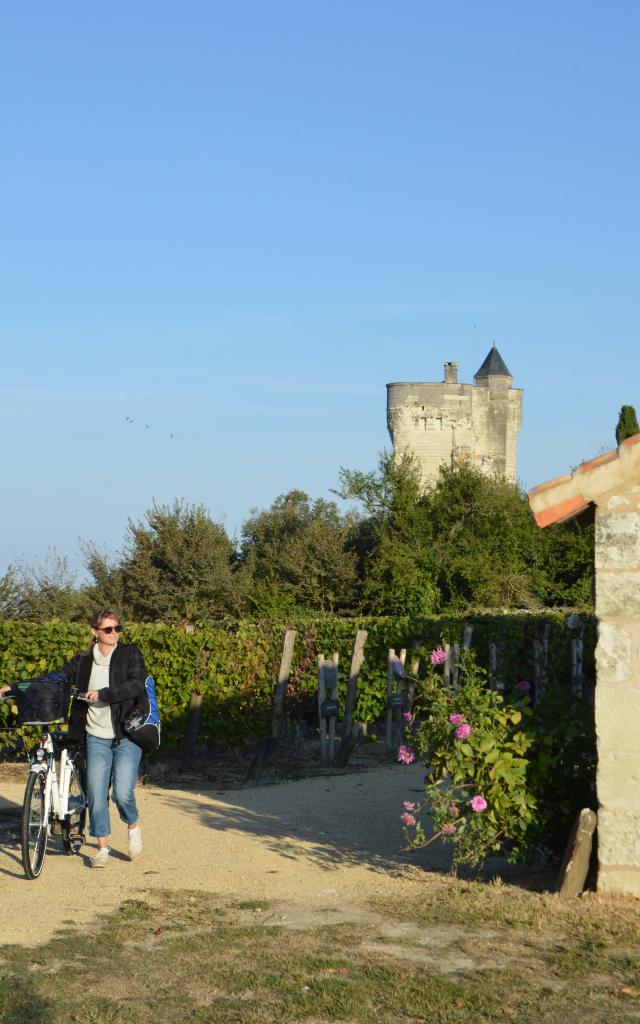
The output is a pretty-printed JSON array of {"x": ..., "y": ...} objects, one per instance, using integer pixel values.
[{"x": 112, "y": 676}]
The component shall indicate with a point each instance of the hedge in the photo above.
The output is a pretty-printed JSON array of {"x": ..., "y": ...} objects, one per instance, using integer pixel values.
[{"x": 235, "y": 665}]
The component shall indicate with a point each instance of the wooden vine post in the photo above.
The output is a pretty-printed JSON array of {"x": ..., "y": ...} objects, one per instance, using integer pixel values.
[
  {"x": 327, "y": 705},
  {"x": 397, "y": 697},
  {"x": 268, "y": 744},
  {"x": 411, "y": 679},
  {"x": 351, "y": 733},
  {"x": 467, "y": 634},
  {"x": 574, "y": 622},
  {"x": 357, "y": 659},
  {"x": 277, "y": 721},
  {"x": 541, "y": 662}
]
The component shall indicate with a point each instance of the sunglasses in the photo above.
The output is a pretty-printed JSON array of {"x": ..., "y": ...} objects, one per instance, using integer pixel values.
[{"x": 109, "y": 629}]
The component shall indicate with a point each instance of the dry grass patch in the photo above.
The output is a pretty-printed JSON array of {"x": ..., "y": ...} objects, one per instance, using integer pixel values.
[{"x": 170, "y": 957}]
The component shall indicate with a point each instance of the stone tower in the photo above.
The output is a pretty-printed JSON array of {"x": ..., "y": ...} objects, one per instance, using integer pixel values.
[{"x": 452, "y": 422}]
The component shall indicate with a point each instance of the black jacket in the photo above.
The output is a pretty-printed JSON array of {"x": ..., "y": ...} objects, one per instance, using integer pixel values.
[{"x": 127, "y": 674}]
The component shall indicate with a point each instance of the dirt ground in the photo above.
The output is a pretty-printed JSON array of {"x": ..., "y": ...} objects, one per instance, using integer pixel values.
[{"x": 315, "y": 846}]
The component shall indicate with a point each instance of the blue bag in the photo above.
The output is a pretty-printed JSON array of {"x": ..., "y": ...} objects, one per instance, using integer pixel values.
[{"x": 142, "y": 725}]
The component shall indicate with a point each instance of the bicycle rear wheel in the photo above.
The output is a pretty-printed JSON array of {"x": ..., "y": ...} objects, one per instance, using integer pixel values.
[
  {"x": 34, "y": 834},
  {"x": 73, "y": 828}
]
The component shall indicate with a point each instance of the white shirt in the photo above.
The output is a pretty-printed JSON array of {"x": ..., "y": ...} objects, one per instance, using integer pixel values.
[{"x": 98, "y": 712}]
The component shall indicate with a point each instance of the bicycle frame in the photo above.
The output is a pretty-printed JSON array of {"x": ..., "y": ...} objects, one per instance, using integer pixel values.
[{"x": 56, "y": 789}]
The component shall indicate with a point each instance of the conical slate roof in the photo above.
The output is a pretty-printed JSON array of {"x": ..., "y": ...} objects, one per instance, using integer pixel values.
[{"x": 494, "y": 365}]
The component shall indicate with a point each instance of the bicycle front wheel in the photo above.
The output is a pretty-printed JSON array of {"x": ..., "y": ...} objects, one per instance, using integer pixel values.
[{"x": 34, "y": 825}]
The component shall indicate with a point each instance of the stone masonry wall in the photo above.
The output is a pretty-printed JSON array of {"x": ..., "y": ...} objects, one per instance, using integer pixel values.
[
  {"x": 449, "y": 422},
  {"x": 618, "y": 689}
]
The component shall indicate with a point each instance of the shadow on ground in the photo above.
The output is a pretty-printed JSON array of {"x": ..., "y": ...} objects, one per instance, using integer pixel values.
[{"x": 334, "y": 821}]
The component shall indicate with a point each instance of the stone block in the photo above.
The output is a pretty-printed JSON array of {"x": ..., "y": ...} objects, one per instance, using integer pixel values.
[
  {"x": 618, "y": 594},
  {"x": 617, "y": 719},
  {"x": 613, "y": 654},
  {"x": 619, "y": 780},
  {"x": 618, "y": 880},
  {"x": 618, "y": 501},
  {"x": 619, "y": 838},
  {"x": 617, "y": 540}
]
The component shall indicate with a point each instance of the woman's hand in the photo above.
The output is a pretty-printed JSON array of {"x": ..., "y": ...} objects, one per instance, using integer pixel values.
[
  {"x": 90, "y": 695},
  {"x": 3, "y": 690}
]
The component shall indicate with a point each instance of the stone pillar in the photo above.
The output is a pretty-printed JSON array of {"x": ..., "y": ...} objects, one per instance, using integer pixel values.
[
  {"x": 451, "y": 373},
  {"x": 617, "y": 697}
]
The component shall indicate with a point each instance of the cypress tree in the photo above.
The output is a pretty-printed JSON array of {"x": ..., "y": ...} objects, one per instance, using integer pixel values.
[{"x": 627, "y": 424}]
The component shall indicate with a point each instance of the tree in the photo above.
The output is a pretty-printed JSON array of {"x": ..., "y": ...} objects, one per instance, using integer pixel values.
[
  {"x": 569, "y": 552},
  {"x": 486, "y": 546},
  {"x": 627, "y": 424},
  {"x": 176, "y": 565},
  {"x": 468, "y": 541},
  {"x": 391, "y": 538},
  {"x": 9, "y": 594},
  {"x": 107, "y": 587},
  {"x": 298, "y": 556},
  {"x": 46, "y": 590}
]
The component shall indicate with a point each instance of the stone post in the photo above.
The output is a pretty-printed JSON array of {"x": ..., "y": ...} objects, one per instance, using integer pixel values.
[{"x": 617, "y": 695}]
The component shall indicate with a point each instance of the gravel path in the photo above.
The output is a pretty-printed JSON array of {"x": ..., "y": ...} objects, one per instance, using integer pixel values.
[{"x": 315, "y": 843}]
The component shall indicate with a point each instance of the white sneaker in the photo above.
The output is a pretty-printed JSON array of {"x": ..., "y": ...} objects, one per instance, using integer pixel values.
[
  {"x": 101, "y": 858},
  {"x": 135, "y": 843}
]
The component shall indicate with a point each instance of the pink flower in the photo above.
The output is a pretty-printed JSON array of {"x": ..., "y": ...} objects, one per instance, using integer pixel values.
[
  {"x": 408, "y": 806},
  {"x": 463, "y": 731},
  {"x": 408, "y": 717},
  {"x": 448, "y": 829},
  {"x": 523, "y": 686},
  {"x": 405, "y": 754},
  {"x": 453, "y": 810},
  {"x": 438, "y": 656},
  {"x": 478, "y": 804},
  {"x": 456, "y": 719},
  {"x": 408, "y": 819}
]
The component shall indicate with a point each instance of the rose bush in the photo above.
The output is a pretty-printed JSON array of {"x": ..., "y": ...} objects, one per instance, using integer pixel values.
[
  {"x": 475, "y": 748},
  {"x": 502, "y": 777}
]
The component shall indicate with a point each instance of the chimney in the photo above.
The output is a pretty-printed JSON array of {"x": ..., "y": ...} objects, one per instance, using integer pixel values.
[{"x": 451, "y": 373}]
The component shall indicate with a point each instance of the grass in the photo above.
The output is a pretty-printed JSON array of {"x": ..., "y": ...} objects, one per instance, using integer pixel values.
[{"x": 173, "y": 957}]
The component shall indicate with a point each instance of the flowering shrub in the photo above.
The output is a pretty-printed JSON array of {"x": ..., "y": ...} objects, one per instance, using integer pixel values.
[{"x": 476, "y": 756}]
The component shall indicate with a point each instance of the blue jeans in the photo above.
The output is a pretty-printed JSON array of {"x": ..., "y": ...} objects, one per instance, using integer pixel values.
[{"x": 115, "y": 765}]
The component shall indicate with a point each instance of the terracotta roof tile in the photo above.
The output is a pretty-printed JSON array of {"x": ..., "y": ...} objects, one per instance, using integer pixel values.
[
  {"x": 563, "y": 510},
  {"x": 550, "y": 483},
  {"x": 566, "y": 507},
  {"x": 599, "y": 460}
]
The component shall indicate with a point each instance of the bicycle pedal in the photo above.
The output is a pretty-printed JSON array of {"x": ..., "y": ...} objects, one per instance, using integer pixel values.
[{"x": 76, "y": 841}]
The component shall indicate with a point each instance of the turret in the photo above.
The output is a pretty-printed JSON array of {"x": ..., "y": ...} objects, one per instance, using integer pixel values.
[{"x": 493, "y": 373}]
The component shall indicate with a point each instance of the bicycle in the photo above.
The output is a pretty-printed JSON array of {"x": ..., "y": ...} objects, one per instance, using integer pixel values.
[{"x": 54, "y": 798}]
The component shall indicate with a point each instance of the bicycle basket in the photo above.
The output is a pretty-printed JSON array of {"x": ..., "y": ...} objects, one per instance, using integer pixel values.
[{"x": 43, "y": 700}]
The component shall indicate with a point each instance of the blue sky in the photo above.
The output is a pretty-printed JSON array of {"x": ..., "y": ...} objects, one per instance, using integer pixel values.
[{"x": 235, "y": 223}]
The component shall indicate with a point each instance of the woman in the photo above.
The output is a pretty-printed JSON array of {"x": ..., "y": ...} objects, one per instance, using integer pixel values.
[{"x": 112, "y": 677}]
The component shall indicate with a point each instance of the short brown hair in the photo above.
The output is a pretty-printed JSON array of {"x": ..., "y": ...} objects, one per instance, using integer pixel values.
[{"x": 105, "y": 613}]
